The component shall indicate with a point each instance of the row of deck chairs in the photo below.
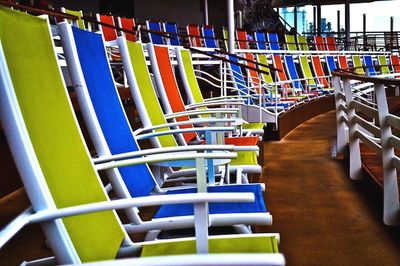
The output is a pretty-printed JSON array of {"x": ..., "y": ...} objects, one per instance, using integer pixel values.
[{"x": 61, "y": 179}]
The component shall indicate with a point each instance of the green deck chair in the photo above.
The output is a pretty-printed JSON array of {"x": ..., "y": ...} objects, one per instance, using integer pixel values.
[
  {"x": 303, "y": 45},
  {"x": 357, "y": 63},
  {"x": 312, "y": 81},
  {"x": 383, "y": 63},
  {"x": 55, "y": 165},
  {"x": 290, "y": 42},
  {"x": 78, "y": 13}
]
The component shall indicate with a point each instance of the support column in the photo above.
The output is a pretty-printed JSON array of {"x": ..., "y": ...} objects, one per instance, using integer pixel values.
[
  {"x": 319, "y": 30},
  {"x": 295, "y": 17},
  {"x": 391, "y": 34},
  {"x": 315, "y": 19},
  {"x": 365, "y": 32},
  {"x": 231, "y": 26},
  {"x": 347, "y": 24},
  {"x": 338, "y": 35},
  {"x": 206, "y": 12}
]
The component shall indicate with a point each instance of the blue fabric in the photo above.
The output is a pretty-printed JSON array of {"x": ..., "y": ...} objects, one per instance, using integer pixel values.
[
  {"x": 238, "y": 78},
  {"x": 281, "y": 104},
  {"x": 209, "y": 37},
  {"x": 370, "y": 65},
  {"x": 155, "y": 38},
  {"x": 214, "y": 208},
  {"x": 172, "y": 27},
  {"x": 109, "y": 110},
  {"x": 273, "y": 41},
  {"x": 291, "y": 67},
  {"x": 331, "y": 63},
  {"x": 260, "y": 37}
]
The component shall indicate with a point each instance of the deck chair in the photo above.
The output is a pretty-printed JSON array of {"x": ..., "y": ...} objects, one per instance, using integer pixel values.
[
  {"x": 342, "y": 62},
  {"x": 79, "y": 22},
  {"x": 369, "y": 65},
  {"x": 322, "y": 78},
  {"x": 261, "y": 40},
  {"x": 303, "y": 45},
  {"x": 331, "y": 43},
  {"x": 273, "y": 41},
  {"x": 154, "y": 37},
  {"x": 193, "y": 30},
  {"x": 242, "y": 42},
  {"x": 358, "y": 65},
  {"x": 290, "y": 42},
  {"x": 209, "y": 36},
  {"x": 173, "y": 31},
  {"x": 60, "y": 179},
  {"x": 394, "y": 59},
  {"x": 128, "y": 24},
  {"x": 109, "y": 33},
  {"x": 195, "y": 96},
  {"x": 383, "y": 65},
  {"x": 113, "y": 136},
  {"x": 318, "y": 81},
  {"x": 320, "y": 44},
  {"x": 331, "y": 64}
]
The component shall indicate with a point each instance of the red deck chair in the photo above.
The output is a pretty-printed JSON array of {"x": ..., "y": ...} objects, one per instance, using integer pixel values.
[
  {"x": 320, "y": 43},
  {"x": 331, "y": 43},
  {"x": 253, "y": 74},
  {"x": 242, "y": 41},
  {"x": 109, "y": 33},
  {"x": 394, "y": 59},
  {"x": 195, "y": 38},
  {"x": 127, "y": 24},
  {"x": 319, "y": 70},
  {"x": 342, "y": 61}
]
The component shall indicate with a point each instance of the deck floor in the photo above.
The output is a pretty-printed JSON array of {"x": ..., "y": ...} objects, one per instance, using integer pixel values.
[{"x": 323, "y": 217}]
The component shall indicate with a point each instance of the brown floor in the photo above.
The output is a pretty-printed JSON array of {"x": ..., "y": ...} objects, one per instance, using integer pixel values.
[{"x": 323, "y": 217}]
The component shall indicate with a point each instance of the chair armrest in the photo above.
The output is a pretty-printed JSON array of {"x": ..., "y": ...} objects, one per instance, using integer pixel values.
[{"x": 202, "y": 112}]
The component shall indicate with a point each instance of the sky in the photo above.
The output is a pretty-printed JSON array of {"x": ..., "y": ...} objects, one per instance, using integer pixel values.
[{"x": 378, "y": 15}]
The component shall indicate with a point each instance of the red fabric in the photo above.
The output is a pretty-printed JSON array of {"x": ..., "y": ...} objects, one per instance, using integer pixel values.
[
  {"x": 319, "y": 43},
  {"x": 194, "y": 31},
  {"x": 395, "y": 62},
  {"x": 239, "y": 141},
  {"x": 128, "y": 24},
  {"x": 343, "y": 62},
  {"x": 110, "y": 34},
  {"x": 319, "y": 70},
  {"x": 331, "y": 43},
  {"x": 281, "y": 74},
  {"x": 242, "y": 39}
]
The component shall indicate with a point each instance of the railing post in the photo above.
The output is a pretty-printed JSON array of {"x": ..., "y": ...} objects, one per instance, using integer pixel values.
[
  {"x": 354, "y": 142},
  {"x": 391, "y": 209},
  {"x": 341, "y": 139}
]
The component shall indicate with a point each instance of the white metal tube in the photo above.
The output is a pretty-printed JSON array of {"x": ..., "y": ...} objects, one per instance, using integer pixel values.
[{"x": 231, "y": 26}]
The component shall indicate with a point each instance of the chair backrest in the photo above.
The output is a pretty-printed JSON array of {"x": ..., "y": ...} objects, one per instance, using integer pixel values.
[
  {"x": 241, "y": 36},
  {"x": 369, "y": 65},
  {"x": 342, "y": 62},
  {"x": 290, "y": 42},
  {"x": 277, "y": 61},
  {"x": 273, "y": 41},
  {"x": 330, "y": 61},
  {"x": 302, "y": 40},
  {"x": 167, "y": 85},
  {"x": 195, "y": 38},
  {"x": 261, "y": 40},
  {"x": 394, "y": 58},
  {"x": 77, "y": 13},
  {"x": 253, "y": 74},
  {"x": 319, "y": 70},
  {"x": 291, "y": 68},
  {"x": 266, "y": 74},
  {"x": 305, "y": 67},
  {"x": 173, "y": 31},
  {"x": 47, "y": 144},
  {"x": 357, "y": 64},
  {"x": 331, "y": 43},
  {"x": 154, "y": 37},
  {"x": 209, "y": 36},
  {"x": 127, "y": 24},
  {"x": 109, "y": 33},
  {"x": 319, "y": 43},
  {"x": 146, "y": 100},
  {"x": 97, "y": 76},
  {"x": 383, "y": 64},
  {"x": 238, "y": 79}
]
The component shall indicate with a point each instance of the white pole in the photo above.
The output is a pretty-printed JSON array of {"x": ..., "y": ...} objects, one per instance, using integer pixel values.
[
  {"x": 206, "y": 12},
  {"x": 231, "y": 26}
]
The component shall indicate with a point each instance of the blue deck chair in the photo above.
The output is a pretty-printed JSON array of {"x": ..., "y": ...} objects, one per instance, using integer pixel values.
[
  {"x": 369, "y": 65},
  {"x": 59, "y": 176},
  {"x": 273, "y": 41},
  {"x": 261, "y": 41},
  {"x": 173, "y": 31},
  {"x": 154, "y": 37},
  {"x": 118, "y": 136},
  {"x": 209, "y": 36},
  {"x": 331, "y": 63}
]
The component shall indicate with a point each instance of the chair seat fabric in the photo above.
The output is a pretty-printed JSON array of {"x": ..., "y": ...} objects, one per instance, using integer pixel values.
[{"x": 258, "y": 205}]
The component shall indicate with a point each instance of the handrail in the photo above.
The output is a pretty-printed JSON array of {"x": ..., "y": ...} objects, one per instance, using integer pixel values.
[{"x": 351, "y": 75}]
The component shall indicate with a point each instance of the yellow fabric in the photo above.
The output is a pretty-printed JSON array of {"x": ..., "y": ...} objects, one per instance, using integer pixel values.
[
  {"x": 383, "y": 64},
  {"x": 81, "y": 23},
  {"x": 306, "y": 70},
  {"x": 358, "y": 64},
  {"x": 253, "y": 126},
  {"x": 291, "y": 42},
  {"x": 53, "y": 131},
  {"x": 153, "y": 107},
  {"x": 302, "y": 43},
  {"x": 267, "y": 77},
  {"x": 237, "y": 244}
]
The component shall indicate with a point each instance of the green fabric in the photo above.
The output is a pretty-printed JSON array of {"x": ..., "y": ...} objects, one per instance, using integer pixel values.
[
  {"x": 291, "y": 42},
  {"x": 245, "y": 158},
  {"x": 306, "y": 70},
  {"x": 236, "y": 244},
  {"x": 358, "y": 64},
  {"x": 384, "y": 64},
  {"x": 253, "y": 126},
  {"x": 52, "y": 128},
  {"x": 266, "y": 75},
  {"x": 147, "y": 92},
  {"x": 81, "y": 23},
  {"x": 302, "y": 43}
]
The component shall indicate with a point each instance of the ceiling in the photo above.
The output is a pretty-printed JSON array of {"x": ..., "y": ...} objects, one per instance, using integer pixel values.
[{"x": 286, "y": 3}]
